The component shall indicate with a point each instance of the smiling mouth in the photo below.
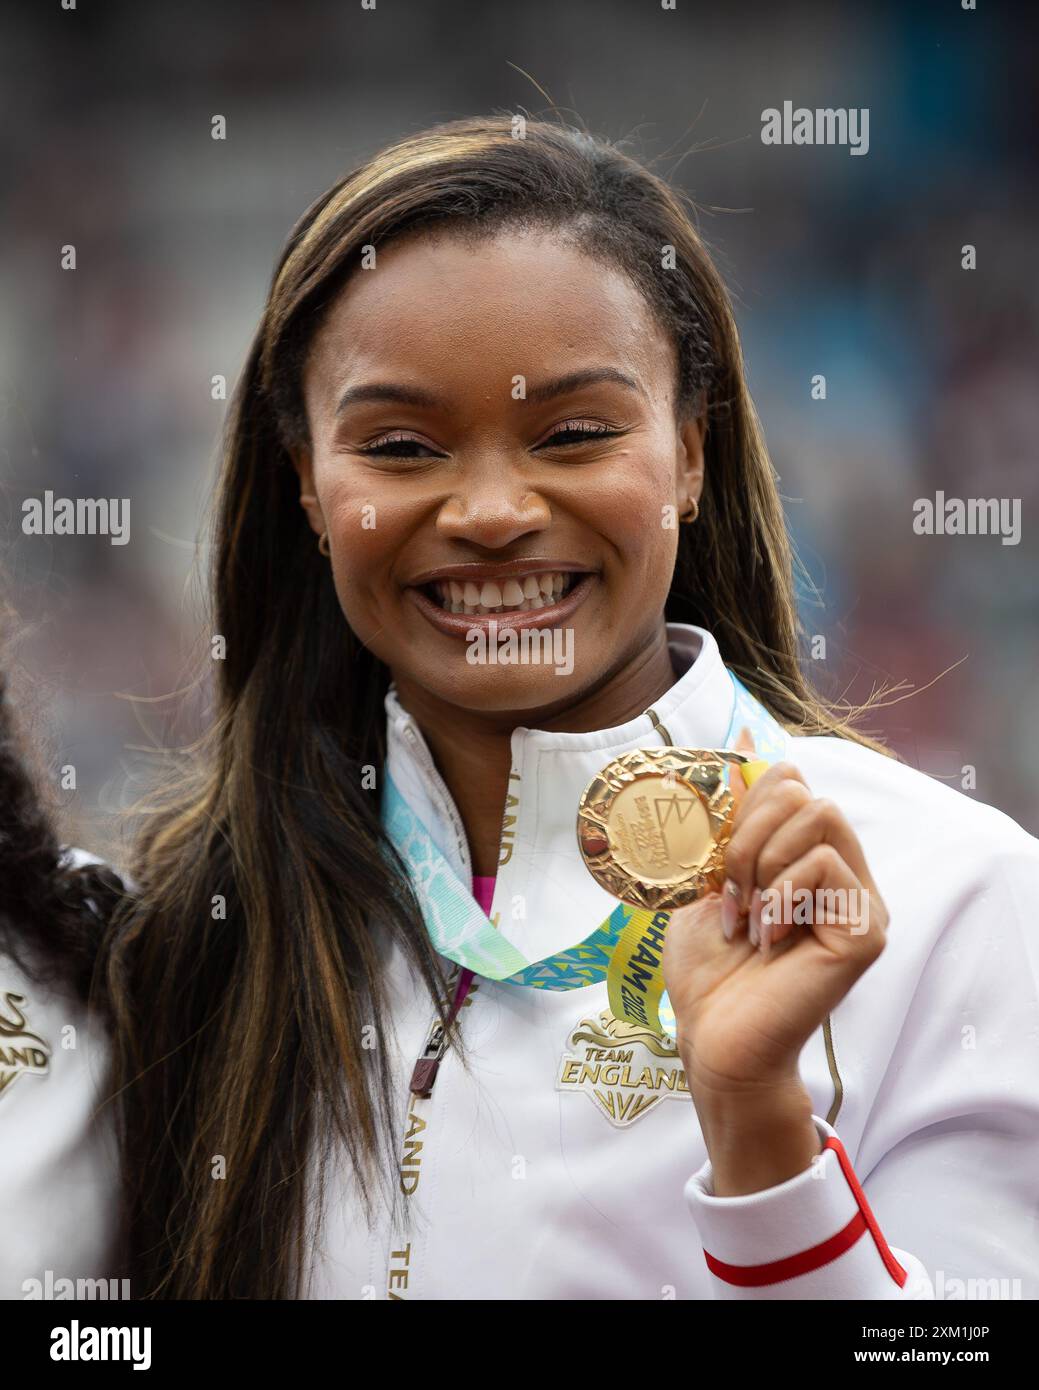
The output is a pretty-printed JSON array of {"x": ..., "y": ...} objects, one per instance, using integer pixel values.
[{"x": 484, "y": 596}]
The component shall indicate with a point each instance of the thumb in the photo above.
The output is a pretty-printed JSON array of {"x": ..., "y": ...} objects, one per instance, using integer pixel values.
[{"x": 744, "y": 744}]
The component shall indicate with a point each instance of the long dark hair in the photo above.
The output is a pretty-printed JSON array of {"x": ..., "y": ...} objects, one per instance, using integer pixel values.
[{"x": 243, "y": 977}]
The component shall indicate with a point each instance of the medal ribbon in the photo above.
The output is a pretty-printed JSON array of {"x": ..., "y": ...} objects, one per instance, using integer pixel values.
[{"x": 626, "y": 949}]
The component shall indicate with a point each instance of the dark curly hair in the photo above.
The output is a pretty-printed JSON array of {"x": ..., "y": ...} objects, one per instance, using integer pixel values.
[{"x": 51, "y": 912}]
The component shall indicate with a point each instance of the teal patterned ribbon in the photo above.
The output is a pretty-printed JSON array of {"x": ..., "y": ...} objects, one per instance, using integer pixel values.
[{"x": 460, "y": 930}]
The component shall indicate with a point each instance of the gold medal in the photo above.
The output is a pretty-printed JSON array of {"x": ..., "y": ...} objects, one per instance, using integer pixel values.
[{"x": 653, "y": 825}]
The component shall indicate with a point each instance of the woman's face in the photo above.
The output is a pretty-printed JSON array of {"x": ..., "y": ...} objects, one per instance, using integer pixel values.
[{"x": 493, "y": 428}]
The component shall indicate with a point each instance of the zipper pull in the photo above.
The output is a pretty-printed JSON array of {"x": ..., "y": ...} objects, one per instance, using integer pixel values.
[
  {"x": 425, "y": 1070},
  {"x": 424, "y": 1073}
]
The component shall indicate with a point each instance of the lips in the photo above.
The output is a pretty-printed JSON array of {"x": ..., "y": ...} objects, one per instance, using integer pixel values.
[{"x": 448, "y": 602}]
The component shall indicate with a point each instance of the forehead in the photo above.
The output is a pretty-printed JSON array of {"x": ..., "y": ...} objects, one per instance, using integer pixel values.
[{"x": 519, "y": 302}]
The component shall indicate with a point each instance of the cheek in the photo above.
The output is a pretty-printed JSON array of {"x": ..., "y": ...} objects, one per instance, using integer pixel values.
[
  {"x": 366, "y": 533},
  {"x": 635, "y": 508}
]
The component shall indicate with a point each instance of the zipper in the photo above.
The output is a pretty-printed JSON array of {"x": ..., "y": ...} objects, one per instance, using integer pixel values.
[
  {"x": 427, "y": 1064},
  {"x": 404, "y": 1259}
]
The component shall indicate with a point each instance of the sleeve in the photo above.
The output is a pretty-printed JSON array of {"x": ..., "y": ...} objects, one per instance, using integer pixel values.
[
  {"x": 949, "y": 1150},
  {"x": 811, "y": 1237}
]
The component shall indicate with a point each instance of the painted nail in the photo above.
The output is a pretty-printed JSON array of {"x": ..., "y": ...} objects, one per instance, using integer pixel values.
[
  {"x": 730, "y": 908},
  {"x": 766, "y": 931},
  {"x": 754, "y": 919}
]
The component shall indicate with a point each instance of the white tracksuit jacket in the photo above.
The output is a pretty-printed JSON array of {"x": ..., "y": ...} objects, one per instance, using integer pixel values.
[{"x": 569, "y": 1164}]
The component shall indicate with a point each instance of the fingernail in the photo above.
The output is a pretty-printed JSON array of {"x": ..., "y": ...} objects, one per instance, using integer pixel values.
[
  {"x": 730, "y": 908},
  {"x": 766, "y": 931},
  {"x": 754, "y": 921}
]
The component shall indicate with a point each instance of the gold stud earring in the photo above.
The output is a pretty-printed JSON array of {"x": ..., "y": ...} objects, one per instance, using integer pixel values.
[
  {"x": 322, "y": 543},
  {"x": 691, "y": 512}
]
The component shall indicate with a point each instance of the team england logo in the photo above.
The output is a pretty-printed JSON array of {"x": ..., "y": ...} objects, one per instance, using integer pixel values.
[
  {"x": 20, "y": 1050},
  {"x": 623, "y": 1069}
]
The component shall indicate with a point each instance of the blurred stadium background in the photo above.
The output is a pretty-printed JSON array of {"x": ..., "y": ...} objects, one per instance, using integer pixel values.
[{"x": 841, "y": 265}]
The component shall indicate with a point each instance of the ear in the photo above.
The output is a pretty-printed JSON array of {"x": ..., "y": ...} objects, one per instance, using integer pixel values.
[
  {"x": 690, "y": 462},
  {"x": 304, "y": 466}
]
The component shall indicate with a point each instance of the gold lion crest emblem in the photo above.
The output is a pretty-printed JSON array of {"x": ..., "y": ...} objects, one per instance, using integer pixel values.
[
  {"x": 624, "y": 1070},
  {"x": 21, "y": 1051}
]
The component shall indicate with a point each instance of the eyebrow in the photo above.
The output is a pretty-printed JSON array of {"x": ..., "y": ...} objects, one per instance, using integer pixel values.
[{"x": 415, "y": 395}]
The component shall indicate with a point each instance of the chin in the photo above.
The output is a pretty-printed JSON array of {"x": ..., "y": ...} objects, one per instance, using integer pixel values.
[{"x": 521, "y": 690}]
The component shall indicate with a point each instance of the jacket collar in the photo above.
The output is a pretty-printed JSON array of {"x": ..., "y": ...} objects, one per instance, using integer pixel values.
[{"x": 550, "y": 770}]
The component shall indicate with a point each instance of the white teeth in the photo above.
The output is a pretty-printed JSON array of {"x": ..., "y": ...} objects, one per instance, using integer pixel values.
[{"x": 531, "y": 592}]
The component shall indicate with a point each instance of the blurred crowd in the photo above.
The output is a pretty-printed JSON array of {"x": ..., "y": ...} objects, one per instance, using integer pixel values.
[{"x": 848, "y": 268}]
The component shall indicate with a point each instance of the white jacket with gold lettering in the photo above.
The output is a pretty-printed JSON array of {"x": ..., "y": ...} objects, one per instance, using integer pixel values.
[{"x": 568, "y": 1163}]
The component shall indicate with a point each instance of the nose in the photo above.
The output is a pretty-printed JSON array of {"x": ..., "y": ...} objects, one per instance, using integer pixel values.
[{"x": 492, "y": 506}]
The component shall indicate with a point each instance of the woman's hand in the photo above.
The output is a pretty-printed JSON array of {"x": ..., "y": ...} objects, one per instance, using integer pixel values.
[{"x": 753, "y": 972}]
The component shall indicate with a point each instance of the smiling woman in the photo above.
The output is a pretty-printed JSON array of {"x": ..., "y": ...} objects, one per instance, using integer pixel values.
[{"x": 367, "y": 974}]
